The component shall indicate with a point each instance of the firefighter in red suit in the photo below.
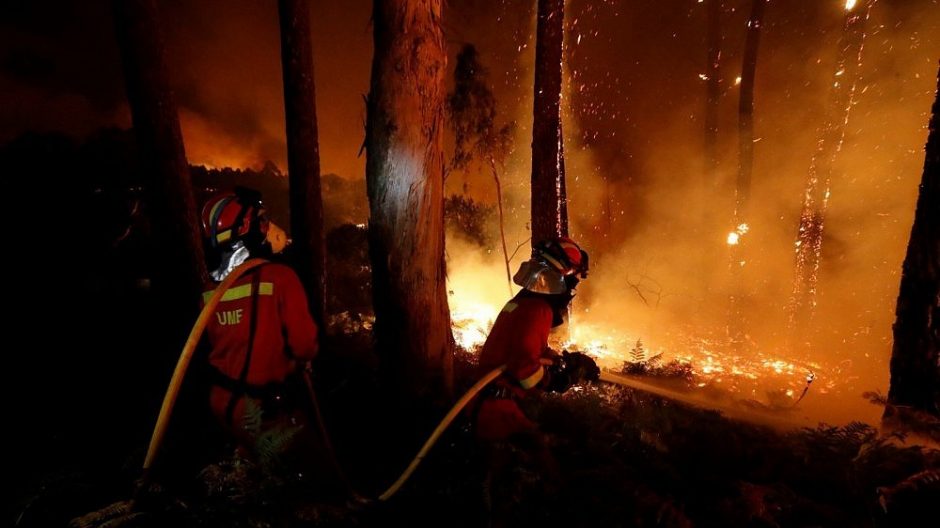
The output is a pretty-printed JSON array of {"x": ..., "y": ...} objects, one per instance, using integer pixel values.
[
  {"x": 519, "y": 340},
  {"x": 261, "y": 332}
]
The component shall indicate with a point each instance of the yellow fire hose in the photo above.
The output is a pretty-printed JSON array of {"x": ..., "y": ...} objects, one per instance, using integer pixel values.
[
  {"x": 486, "y": 380},
  {"x": 441, "y": 427},
  {"x": 607, "y": 377},
  {"x": 195, "y": 334},
  {"x": 182, "y": 365}
]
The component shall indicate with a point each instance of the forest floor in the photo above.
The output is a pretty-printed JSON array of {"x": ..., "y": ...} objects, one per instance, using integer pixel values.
[{"x": 626, "y": 459}]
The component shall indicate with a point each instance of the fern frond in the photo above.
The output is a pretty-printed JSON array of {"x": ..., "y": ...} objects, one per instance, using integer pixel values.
[
  {"x": 271, "y": 444},
  {"x": 101, "y": 517},
  {"x": 127, "y": 520},
  {"x": 253, "y": 417},
  {"x": 875, "y": 397},
  {"x": 637, "y": 353}
]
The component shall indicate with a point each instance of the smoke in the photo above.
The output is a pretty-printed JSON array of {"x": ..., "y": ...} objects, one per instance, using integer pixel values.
[
  {"x": 226, "y": 57},
  {"x": 633, "y": 108},
  {"x": 61, "y": 66},
  {"x": 669, "y": 272}
]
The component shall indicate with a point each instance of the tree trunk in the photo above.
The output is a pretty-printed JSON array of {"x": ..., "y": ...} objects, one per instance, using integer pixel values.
[
  {"x": 746, "y": 112},
  {"x": 712, "y": 184},
  {"x": 404, "y": 173},
  {"x": 742, "y": 193},
  {"x": 828, "y": 145},
  {"x": 502, "y": 223},
  {"x": 180, "y": 268},
  {"x": 713, "y": 90},
  {"x": 915, "y": 356},
  {"x": 303, "y": 151},
  {"x": 549, "y": 210}
]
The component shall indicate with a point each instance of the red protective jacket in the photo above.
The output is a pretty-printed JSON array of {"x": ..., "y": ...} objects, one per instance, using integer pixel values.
[
  {"x": 519, "y": 339},
  {"x": 284, "y": 334}
]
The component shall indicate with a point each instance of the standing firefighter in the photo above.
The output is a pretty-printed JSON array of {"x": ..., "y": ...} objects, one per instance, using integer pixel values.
[
  {"x": 519, "y": 339},
  {"x": 261, "y": 334}
]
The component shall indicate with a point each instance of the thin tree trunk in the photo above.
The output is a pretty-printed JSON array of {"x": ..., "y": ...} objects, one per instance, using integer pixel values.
[
  {"x": 828, "y": 145},
  {"x": 549, "y": 212},
  {"x": 713, "y": 90},
  {"x": 915, "y": 356},
  {"x": 303, "y": 151},
  {"x": 404, "y": 173},
  {"x": 711, "y": 185},
  {"x": 180, "y": 270},
  {"x": 742, "y": 192},
  {"x": 746, "y": 112},
  {"x": 502, "y": 229}
]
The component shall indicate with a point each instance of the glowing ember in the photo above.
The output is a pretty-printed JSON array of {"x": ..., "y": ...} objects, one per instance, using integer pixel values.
[{"x": 734, "y": 237}]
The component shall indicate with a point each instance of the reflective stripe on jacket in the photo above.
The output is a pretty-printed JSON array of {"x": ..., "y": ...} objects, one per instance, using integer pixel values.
[{"x": 284, "y": 333}]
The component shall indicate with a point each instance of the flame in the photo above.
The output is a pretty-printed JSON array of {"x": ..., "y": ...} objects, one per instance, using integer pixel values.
[
  {"x": 471, "y": 323},
  {"x": 850, "y": 4},
  {"x": 714, "y": 362},
  {"x": 477, "y": 293}
]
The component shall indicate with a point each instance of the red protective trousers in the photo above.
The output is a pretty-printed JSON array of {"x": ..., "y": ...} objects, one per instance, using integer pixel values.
[{"x": 519, "y": 340}]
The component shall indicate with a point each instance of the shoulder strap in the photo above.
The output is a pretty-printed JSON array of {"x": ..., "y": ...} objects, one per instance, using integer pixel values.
[{"x": 243, "y": 377}]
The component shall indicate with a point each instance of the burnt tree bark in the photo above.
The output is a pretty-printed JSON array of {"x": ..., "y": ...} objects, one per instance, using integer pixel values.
[
  {"x": 915, "y": 355},
  {"x": 303, "y": 152},
  {"x": 549, "y": 210},
  {"x": 405, "y": 178},
  {"x": 180, "y": 270}
]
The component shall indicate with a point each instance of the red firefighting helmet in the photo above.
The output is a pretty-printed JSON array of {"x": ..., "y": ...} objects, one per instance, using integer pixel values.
[
  {"x": 233, "y": 216},
  {"x": 554, "y": 267},
  {"x": 564, "y": 255}
]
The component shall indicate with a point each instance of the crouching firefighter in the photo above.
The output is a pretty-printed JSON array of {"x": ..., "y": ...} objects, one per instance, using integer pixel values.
[
  {"x": 519, "y": 339},
  {"x": 261, "y": 336}
]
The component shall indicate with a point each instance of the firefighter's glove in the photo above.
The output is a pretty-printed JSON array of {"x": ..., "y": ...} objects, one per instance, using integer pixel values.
[
  {"x": 580, "y": 367},
  {"x": 559, "y": 379}
]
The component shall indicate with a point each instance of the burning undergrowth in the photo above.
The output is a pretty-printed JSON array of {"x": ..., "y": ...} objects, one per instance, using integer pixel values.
[{"x": 707, "y": 365}]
